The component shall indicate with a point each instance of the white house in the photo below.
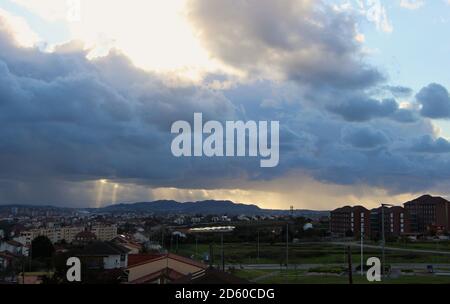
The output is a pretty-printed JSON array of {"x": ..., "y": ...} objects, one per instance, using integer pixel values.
[
  {"x": 140, "y": 237},
  {"x": 106, "y": 255},
  {"x": 12, "y": 247},
  {"x": 196, "y": 220},
  {"x": 307, "y": 226},
  {"x": 179, "y": 221},
  {"x": 243, "y": 218}
]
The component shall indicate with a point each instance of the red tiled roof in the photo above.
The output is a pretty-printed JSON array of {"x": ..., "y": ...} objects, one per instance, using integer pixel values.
[
  {"x": 167, "y": 273},
  {"x": 14, "y": 243},
  {"x": 187, "y": 261},
  {"x": 8, "y": 255},
  {"x": 137, "y": 259}
]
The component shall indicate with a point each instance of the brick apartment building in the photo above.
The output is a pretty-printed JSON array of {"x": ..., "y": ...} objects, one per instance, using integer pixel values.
[
  {"x": 426, "y": 212},
  {"x": 347, "y": 221},
  {"x": 418, "y": 216},
  {"x": 396, "y": 222}
]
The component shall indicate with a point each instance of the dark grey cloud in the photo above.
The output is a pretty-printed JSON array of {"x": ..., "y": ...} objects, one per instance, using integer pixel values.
[
  {"x": 66, "y": 122},
  {"x": 427, "y": 144},
  {"x": 305, "y": 41},
  {"x": 364, "y": 109},
  {"x": 363, "y": 137},
  {"x": 435, "y": 101}
]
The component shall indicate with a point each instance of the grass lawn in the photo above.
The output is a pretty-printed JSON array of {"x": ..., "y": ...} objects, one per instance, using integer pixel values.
[
  {"x": 435, "y": 246},
  {"x": 320, "y": 253}
]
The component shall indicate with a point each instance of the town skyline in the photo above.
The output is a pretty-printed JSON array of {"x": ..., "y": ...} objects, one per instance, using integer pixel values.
[{"x": 127, "y": 206}]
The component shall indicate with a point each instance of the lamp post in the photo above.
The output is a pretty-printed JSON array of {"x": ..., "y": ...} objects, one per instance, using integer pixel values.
[
  {"x": 362, "y": 249},
  {"x": 258, "y": 249},
  {"x": 215, "y": 230},
  {"x": 287, "y": 246},
  {"x": 383, "y": 244}
]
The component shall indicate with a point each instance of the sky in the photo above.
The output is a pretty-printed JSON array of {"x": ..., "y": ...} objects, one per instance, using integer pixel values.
[{"x": 89, "y": 91}]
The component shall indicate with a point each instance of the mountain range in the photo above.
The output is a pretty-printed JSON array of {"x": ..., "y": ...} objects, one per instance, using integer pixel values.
[{"x": 207, "y": 207}]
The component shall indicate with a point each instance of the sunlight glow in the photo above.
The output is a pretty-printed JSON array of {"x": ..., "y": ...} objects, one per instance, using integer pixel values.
[{"x": 154, "y": 34}]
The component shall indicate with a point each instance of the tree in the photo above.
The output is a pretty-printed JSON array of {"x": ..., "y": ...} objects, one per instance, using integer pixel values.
[{"x": 42, "y": 247}]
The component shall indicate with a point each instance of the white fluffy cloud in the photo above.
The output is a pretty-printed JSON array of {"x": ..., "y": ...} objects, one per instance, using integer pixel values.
[
  {"x": 412, "y": 4},
  {"x": 18, "y": 28}
]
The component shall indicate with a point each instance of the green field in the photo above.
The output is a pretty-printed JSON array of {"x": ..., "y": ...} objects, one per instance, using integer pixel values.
[{"x": 312, "y": 253}]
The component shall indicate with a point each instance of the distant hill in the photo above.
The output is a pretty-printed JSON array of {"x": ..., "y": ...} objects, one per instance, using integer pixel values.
[
  {"x": 202, "y": 207},
  {"x": 208, "y": 207}
]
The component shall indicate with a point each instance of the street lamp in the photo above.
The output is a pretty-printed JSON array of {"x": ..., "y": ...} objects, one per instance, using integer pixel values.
[
  {"x": 221, "y": 231},
  {"x": 383, "y": 237}
]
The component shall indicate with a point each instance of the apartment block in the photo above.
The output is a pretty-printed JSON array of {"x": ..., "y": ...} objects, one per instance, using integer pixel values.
[
  {"x": 396, "y": 222},
  {"x": 428, "y": 211},
  {"x": 349, "y": 220},
  {"x": 105, "y": 232},
  {"x": 54, "y": 234}
]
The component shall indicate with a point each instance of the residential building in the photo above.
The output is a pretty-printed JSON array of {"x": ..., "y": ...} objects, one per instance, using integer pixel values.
[
  {"x": 54, "y": 234},
  {"x": 428, "y": 211},
  {"x": 350, "y": 221},
  {"x": 103, "y": 255},
  {"x": 85, "y": 237},
  {"x": 396, "y": 222},
  {"x": 129, "y": 243},
  {"x": 140, "y": 237},
  {"x": 105, "y": 232},
  {"x": 6, "y": 259},
  {"x": 12, "y": 246},
  {"x": 160, "y": 269}
]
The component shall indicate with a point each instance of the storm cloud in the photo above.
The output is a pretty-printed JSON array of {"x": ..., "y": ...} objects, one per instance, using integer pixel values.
[{"x": 68, "y": 122}]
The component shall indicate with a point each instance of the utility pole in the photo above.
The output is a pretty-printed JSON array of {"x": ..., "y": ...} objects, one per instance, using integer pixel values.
[
  {"x": 383, "y": 265},
  {"x": 258, "y": 249},
  {"x": 383, "y": 241},
  {"x": 211, "y": 255},
  {"x": 30, "y": 256},
  {"x": 196, "y": 246},
  {"x": 350, "y": 269},
  {"x": 223, "y": 254},
  {"x": 287, "y": 246},
  {"x": 362, "y": 250}
]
